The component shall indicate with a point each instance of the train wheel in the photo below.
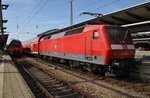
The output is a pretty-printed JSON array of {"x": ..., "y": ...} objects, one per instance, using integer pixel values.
[
  {"x": 102, "y": 70},
  {"x": 67, "y": 62},
  {"x": 90, "y": 67},
  {"x": 62, "y": 61},
  {"x": 77, "y": 64},
  {"x": 74, "y": 64}
]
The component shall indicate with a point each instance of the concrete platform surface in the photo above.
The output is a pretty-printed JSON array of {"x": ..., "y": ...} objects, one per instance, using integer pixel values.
[{"x": 12, "y": 84}]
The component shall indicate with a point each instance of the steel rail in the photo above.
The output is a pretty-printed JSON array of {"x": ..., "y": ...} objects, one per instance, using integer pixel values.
[
  {"x": 105, "y": 79},
  {"x": 86, "y": 95}
]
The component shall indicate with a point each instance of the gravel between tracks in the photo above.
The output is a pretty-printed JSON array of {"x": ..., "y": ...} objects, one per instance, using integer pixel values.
[{"x": 98, "y": 88}]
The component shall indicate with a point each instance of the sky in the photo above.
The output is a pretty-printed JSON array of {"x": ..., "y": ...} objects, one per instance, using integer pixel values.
[{"x": 28, "y": 18}]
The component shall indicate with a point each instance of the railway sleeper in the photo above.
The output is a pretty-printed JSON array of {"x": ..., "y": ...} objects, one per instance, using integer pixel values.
[
  {"x": 45, "y": 77},
  {"x": 49, "y": 78},
  {"x": 61, "y": 88},
  {"x": 57, "y": 89},
  {"x": 54, "y": 82},
  {"x": 72, "y": 95},
  {"x": 64, "y": 92},
  {"x": 52, "y": 86},
  {"x": 50, "y": 81}
]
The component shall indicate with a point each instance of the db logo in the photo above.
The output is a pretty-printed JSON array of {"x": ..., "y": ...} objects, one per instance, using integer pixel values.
[{"x": 55, "y": 46}]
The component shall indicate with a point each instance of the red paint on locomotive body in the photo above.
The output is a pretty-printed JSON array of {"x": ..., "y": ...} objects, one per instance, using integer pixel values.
[
  {"x": 95, "y": 44},
  {"x": 84, "y": 44}
]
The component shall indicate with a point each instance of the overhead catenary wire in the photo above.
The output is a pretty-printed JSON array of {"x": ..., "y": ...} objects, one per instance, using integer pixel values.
[
  {"x": 105, "y": 5},
  {"x": 91, "y": 3},
  {"x": 32, "y": 11},
  {"x": 30, "y": 14},
  {"x": 77, "y": 16},
  {"x": 67, "y": 20},
  {"x": 55, "y": 6},
  {"x": 30, "y": 19}
]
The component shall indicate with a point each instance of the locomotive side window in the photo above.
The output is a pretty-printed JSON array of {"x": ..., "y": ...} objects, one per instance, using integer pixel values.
[
  {"x": 47, "y": 37},
  {"x": 74, "y": 31},
  {"x": 95, "y": 35},
  {"x": 58, "y": 35}
]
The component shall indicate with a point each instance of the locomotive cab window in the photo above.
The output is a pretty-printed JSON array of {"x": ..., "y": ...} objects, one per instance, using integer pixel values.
[
  {"x": 118, "y": 33},
  {"x": 95, "y": 35}
]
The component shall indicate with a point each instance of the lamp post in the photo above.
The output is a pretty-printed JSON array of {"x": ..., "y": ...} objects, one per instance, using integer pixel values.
[{"x": 71, "y": 12}]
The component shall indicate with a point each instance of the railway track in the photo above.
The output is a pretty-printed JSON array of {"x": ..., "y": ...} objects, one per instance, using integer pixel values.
[
  {"x": 44, "y": 85},
  {"x": 117, "y": 86}
]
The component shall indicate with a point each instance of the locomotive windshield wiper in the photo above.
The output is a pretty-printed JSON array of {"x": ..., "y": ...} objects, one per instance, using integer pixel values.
[{"x": 126, "y": 34}]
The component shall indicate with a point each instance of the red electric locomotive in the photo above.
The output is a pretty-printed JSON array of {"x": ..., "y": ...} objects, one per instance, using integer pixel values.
[
  {"x": 105, "y": 48},
  {"x": 15, "y": 48}
]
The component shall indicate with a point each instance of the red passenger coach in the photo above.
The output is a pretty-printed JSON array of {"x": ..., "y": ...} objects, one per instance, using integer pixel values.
[
  {"x": 105, "y": 48},
  {"x": 31, "y": 46}
]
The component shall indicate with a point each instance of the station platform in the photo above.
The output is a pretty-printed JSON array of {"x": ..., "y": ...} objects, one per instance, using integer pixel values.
[
  {"x": 143, "y": 71},
  {"x": 12, "y": 84}
]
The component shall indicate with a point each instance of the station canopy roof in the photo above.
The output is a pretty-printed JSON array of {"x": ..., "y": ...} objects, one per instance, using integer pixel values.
[{"x": 135, "y": 14}]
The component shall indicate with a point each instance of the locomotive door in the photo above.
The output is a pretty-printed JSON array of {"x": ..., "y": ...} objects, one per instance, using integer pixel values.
[{"x": 88, "y": 48}]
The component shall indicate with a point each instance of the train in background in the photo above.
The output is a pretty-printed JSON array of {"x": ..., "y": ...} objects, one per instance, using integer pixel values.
[
  {"x": 15, "y": 48},
  {"x": 103, "y": 48}
]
